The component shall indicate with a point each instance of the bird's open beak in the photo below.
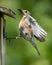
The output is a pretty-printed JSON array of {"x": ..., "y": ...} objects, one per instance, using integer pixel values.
[{"x": 20, "y": 10}]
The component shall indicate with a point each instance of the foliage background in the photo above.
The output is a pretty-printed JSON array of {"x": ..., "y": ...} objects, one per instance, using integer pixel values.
[{"x": 20, "y": 51}]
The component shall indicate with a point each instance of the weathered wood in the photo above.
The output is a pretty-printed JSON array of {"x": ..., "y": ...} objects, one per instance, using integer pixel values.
[
  {"x": 8, "y": 12},
  {"x": 0, "y": 41},
  {"x": 3, "y": 43}
]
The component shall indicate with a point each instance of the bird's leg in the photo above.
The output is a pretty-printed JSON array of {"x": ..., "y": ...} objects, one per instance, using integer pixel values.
[{"x": 19, "y": 36}]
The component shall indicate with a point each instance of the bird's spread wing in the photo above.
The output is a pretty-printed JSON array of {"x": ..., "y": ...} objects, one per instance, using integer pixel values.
[{"x": 38, "y": 31}]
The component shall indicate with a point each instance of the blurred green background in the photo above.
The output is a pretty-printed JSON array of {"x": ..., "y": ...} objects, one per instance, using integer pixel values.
[{"x": 20, "y": 51}]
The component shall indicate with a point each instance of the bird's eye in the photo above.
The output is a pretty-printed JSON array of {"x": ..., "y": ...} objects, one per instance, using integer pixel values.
[{"x": 25, "y": 11}]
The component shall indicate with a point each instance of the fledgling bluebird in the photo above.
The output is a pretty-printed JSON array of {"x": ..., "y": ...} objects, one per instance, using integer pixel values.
[{"x": 29, "y": 29}]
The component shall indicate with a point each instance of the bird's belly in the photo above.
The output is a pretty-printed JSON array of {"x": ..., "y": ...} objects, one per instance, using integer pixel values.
[
  {"x": 25, "y": 33},
  {"x": 25, "y": 30}
]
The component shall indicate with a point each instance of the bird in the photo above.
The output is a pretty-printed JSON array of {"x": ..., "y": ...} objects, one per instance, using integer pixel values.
[{"x": 29, "y": 29}]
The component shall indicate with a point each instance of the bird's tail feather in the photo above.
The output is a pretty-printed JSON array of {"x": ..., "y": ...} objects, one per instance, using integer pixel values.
[{"x": 33, "y": 43}]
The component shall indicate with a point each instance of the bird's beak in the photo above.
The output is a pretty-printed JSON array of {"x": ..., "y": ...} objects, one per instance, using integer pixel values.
[{"x": 20, "y": 10}]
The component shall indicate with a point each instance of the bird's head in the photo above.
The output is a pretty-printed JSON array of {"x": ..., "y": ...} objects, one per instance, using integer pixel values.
[{"x": 24, "y": 12}]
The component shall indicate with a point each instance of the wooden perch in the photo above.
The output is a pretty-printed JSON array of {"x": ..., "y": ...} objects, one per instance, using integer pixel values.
[{"x": 10, "y": 13}]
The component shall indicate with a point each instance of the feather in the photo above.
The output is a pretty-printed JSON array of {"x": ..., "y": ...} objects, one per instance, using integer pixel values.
[
  {"x": 34, "y": 45},
  {"x": 38, "y": 31}
]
